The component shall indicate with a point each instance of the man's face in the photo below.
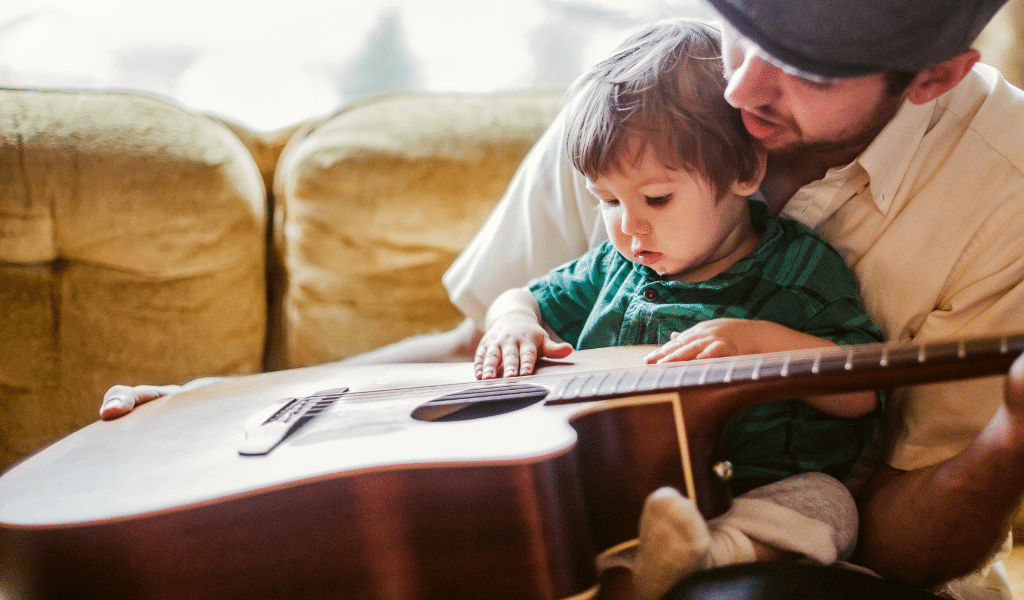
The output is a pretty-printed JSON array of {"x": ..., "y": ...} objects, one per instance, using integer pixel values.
[{"x": 792, "y": 113}]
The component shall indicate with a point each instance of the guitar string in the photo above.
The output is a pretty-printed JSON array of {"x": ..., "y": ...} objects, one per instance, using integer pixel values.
[{"x": 883, "y": 354}]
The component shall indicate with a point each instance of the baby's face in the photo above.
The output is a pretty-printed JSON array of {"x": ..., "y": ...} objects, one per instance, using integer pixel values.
[{"x": 670, "y": 220}]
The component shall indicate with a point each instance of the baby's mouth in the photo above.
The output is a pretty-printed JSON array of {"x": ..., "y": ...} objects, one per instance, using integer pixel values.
[{"x": 646, "y": 257}]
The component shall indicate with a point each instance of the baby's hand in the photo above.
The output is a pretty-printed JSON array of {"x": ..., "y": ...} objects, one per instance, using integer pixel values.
[
  {"x": 512, "y": 346},
  {"x": 713, "y": 339}
]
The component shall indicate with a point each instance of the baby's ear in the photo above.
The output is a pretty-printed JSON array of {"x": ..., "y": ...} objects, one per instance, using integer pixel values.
[{"x": 746, "y": 188}]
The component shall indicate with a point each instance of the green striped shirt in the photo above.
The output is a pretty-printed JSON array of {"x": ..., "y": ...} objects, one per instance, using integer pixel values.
[{"x": 793, "y": 278}]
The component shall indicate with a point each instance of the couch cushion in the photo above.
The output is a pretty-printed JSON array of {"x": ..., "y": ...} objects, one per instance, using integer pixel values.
[
  {"x": 373, "y": 205},
  {"x": 131, "y": 251}
]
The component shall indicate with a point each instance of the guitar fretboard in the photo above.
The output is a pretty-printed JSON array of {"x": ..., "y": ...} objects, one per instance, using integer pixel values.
[{"x": 844, "y": 367}]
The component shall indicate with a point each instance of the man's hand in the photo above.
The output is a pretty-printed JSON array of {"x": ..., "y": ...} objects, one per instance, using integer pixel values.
[
  {"x": 512, "y": 345},
  {"x": 122, "y": 399}
]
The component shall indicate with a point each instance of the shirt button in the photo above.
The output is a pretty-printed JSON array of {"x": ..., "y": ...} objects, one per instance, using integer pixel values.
[{"x": 651, "y": 295}]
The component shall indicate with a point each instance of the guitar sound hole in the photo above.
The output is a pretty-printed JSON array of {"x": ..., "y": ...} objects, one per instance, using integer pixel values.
[{"x": 480, "y": 402}]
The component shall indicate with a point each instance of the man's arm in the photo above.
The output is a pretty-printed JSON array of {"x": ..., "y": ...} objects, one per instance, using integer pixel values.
[
  {"x": 546, "y": 218},
  {"x": 454, "y": 345},
  {"x": 929, "y": 525}
]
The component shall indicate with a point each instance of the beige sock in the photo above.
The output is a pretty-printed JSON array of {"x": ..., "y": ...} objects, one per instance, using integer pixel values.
[
  {"x": 729, "y": 546},
  {"x": 674, "y": 542}
]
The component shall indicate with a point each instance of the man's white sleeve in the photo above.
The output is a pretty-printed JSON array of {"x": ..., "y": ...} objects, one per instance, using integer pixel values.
[{"x": 546, "y": 218}]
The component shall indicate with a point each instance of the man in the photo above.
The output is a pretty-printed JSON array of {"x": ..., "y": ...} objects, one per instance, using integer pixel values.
[{"x": 887, "y": 138}]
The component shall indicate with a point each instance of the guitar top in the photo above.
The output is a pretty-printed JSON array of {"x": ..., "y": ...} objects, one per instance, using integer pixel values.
[{"x": 183, "y": 450}]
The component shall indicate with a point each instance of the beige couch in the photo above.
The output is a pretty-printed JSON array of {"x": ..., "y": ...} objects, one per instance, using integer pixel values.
[{"x": 138, "y": 244}]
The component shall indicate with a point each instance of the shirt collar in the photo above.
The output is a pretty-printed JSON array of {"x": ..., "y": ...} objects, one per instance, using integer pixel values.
[{"x": 888, "y": 157}]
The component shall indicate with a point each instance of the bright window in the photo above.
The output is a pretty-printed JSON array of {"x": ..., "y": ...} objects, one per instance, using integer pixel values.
[{"x": 271, "y": 64}]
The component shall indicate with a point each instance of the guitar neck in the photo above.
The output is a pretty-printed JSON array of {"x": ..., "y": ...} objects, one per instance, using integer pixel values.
[{"x": 805, "y": 372}]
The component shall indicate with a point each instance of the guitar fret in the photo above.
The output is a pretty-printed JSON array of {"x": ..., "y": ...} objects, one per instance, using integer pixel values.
[
  {"x": 704, "y": 375},
  {"x": 728, "y": 373},
  {"x": 591, "y": 385},
  {"x": 681, "y": 372},
  {"x": 987, "y": 346},
  {"x": 756, "y": 373},
  {"x": 921, "y": 355},
  {"x": 885, "y": 357},
  {"x": 849, "y": 360},
  {"x": 611, "y": 384},
  {"x": 865, "y": 358},
  {"x": 902, "y": 354},
  {"x": 558, "y": 390},
  {"x": 832, "y": 362},
  {"x": 648, "y": 381},
  {"x": 744, "y": 369},
  {"x": 573, "y": 387},
  {"x": 661, "y": 375},
  {"x": 772, "y": 368}
]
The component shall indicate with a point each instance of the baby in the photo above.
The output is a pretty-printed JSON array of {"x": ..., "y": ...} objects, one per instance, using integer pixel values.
[{"x": 697, "y": 266}]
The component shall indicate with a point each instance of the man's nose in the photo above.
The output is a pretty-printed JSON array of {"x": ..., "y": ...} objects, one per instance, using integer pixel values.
[{"x": 754, "y": 83}]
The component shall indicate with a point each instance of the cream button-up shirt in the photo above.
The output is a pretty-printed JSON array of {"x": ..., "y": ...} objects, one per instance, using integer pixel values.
[{"x": 930, "y": 218}]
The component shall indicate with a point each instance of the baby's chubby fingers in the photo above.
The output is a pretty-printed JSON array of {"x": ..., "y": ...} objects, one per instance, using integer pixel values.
[
  {"x": 487, "y": 361},
  {"x": 676, "y": 349}
]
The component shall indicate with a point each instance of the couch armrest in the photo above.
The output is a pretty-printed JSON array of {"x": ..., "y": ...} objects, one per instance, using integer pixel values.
[{"x": 131, "y": 250}]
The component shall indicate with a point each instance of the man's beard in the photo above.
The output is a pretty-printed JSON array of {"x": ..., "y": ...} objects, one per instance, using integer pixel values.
[{"x": 847, "y": 141}]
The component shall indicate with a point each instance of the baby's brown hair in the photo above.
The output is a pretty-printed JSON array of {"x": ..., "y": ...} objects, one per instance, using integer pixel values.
[{"x": 663, "y": 86}]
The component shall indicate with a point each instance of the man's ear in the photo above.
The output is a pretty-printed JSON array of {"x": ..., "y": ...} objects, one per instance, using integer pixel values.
[
  {"x": 939, "y": 79},
  {"x": 746, "y": 188}
]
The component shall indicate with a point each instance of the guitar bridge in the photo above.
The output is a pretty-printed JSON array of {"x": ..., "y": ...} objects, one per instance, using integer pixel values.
[{"x": 274, "y": 424}]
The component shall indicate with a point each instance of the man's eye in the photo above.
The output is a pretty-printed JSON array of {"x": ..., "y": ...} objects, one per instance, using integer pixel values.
[
  {"x": 816, "y": 85},
  {"x": 658, "y": 200}
]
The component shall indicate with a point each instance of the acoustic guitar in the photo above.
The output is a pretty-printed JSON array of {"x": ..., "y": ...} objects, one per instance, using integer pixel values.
[{"x": 405, "y": 481}]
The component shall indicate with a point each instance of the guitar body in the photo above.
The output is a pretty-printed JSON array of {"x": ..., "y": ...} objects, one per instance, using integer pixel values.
[
  {"x": 405, "y": 487},
  {"x": 365, "y": 501}
]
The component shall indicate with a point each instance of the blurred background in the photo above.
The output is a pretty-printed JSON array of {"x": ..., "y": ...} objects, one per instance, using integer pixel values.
[{"x": 269, "y": 64}]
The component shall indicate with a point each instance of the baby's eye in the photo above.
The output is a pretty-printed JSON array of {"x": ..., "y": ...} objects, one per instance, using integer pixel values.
[
  {"x": 609, "y": 202},
  {"x": 658, "y": 200}
]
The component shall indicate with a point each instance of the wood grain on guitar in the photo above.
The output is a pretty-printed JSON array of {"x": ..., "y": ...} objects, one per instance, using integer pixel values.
[{"x": 415, "y": 482}]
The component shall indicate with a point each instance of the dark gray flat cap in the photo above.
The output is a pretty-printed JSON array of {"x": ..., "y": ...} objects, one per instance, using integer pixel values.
[{"x": 847, "y": 38}]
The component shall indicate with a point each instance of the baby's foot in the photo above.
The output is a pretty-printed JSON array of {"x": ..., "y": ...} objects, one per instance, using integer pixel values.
[
  {"x": 1015, "y": 388},
  {"x": 674, "y": 541}
]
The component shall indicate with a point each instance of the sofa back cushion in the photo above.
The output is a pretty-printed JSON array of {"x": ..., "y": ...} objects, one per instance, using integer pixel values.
[
  {"x": 374, "y": 203},
  {"x": 132, "y": 244}
]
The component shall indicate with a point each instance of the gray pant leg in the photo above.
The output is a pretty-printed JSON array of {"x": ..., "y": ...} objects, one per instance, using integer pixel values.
[{"x": 778, "y": 513}]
